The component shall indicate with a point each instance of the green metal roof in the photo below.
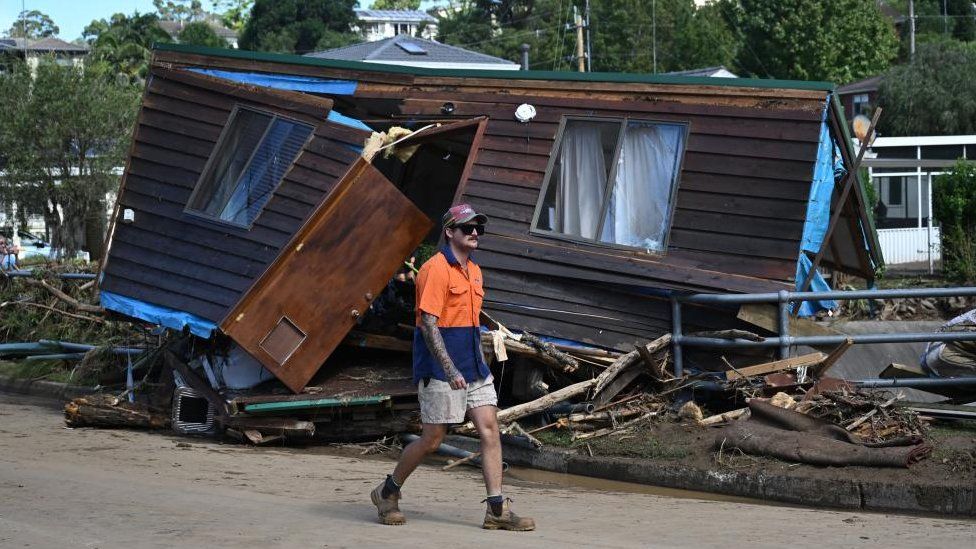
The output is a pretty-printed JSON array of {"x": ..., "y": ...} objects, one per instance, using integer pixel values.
[{"x": 630, "y": 78}]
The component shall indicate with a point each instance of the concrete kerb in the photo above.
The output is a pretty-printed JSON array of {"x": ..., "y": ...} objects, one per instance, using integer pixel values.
[
  {"x": 815, "y": 492},
  {"x": 46, "y": 389}
]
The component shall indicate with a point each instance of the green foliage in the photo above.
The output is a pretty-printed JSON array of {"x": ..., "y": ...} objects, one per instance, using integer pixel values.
[
  {"x": 63, "y": 130},
  {"x": 297, "y": 26},
  {"x": 199, "y": 33},
  {"x": 954, "y": 205},
  {"x": 625, "y": 34},
  {"x": 233, "y": 13},
  {"x": 180, "y": 10},
  {"x": 124, "y": 42},
  {"x": 935, "y": 94},
  {"x": 396, "y": 5},
  {"x": 834, "y": 40},
  {"x": 32, "y": 25}
]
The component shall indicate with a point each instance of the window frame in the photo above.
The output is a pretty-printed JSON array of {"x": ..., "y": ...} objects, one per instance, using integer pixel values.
[
  {"x": 611, "y": 179},
  {"x": 213, "y": 158}
]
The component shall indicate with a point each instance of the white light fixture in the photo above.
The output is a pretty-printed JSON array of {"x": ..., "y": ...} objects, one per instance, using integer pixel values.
[
  {"x": 524, "y": 113},
  {"x": 128, "y": 215}
]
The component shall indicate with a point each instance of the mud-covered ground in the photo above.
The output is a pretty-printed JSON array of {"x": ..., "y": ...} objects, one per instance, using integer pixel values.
[{"x": 64, "y": 487}]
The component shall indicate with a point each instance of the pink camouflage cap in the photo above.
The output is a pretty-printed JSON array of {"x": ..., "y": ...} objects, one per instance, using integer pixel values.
[{"x": 462, "y": 213}]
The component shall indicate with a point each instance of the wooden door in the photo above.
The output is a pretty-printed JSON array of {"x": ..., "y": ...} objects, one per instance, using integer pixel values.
[{"x": 312, "y": 295}]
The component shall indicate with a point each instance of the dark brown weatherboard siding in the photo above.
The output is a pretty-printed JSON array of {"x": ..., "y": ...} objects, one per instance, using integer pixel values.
[
  {"x": 740, "y": 207},
  {"x": 178, "y": 260}
]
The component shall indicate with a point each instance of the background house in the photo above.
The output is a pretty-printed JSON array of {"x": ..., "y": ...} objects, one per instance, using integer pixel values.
[
  {"x": 65, "y": 53},
  {"x": 379, "y": 24},
  {"x": 902, "y": 171},
  {"x": 860, "y": 97},
  {"x": 174, "y": 28},
  {"x": 409, "y": 51}
]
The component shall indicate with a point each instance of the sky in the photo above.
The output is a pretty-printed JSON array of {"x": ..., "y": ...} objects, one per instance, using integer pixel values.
[{"x": 72, "y": 16}]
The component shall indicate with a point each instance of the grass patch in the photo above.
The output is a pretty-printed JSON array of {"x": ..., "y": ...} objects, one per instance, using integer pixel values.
[
  {"x": 57, "y": 370},
  {"x": 634, "y": 444},
  {"x": 953, "y": 429}
]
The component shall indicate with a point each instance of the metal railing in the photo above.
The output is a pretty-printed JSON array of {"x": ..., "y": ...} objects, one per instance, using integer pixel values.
[{"x": 784, "y": 340}]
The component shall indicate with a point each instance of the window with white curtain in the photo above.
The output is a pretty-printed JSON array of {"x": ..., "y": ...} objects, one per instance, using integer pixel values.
[{"x": 613, "y": 181}]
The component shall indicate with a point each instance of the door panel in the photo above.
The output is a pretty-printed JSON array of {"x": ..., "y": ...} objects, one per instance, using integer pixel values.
[{"x": 312, "y": 295}]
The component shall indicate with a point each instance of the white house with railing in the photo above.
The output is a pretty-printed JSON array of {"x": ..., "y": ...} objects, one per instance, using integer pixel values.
[{"x": 903, "y": 171}]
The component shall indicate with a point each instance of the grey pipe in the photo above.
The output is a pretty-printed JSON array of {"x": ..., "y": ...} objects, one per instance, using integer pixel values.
[
  {"x": 920, "y": 382},
  {"x": 452, "y": 451},
  {"x": 817, "y": 296},
  {"x": 814, "y": 341},
  {"x": 566, "y": 408},
  {"x": 64, "y": 276}
]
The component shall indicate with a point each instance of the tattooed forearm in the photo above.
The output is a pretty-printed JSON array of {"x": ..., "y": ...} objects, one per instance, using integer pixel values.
[{"x": 428, "y": 327}]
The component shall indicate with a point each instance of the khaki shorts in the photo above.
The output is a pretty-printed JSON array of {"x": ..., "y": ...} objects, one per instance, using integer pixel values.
[{"x": 441, "y": 404}]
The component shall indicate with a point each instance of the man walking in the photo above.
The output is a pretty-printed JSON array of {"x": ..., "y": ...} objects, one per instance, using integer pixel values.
[{"x": 450, "y": 371}]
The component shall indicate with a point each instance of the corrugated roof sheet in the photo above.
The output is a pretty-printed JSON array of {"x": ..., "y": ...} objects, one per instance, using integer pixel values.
[
  {"x": 388, "y": 50},
  {"x": 638, "y": 78}
]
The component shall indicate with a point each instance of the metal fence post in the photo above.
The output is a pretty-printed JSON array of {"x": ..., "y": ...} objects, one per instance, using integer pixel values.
[
  {"x": 784, "y": 323},
  {"x": 676, "y": 336}
]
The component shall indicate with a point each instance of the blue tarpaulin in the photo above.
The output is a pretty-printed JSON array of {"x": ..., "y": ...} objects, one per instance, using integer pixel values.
[
  {"x": 157, "y": 314},
  {"x": 818, "y": 218},
  {"x": 307, "y": 84}
]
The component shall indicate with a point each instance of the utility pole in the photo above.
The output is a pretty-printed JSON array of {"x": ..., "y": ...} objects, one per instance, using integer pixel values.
[
  {"x": 654, "y": 31},
  {"x": 589, "y": 54},
  {"x": 580, "y": 54},
  {"x": 911, "y": 30}
]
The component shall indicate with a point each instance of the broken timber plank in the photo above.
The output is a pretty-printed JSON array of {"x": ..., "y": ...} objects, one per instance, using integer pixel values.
[
  {"x": 612, "y": 389},
  {"x": 628, "y": 360},
  {"x": 820, "y": 369},
  {"x": 767, "y": 317},
  {"x": 776, "y": 366}
]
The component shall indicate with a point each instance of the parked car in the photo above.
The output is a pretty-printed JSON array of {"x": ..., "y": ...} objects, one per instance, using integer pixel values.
[{"x": 31, "y": 245}]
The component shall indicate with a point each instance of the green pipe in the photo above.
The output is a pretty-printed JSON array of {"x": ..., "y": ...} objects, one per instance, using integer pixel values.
[
  {"x": 63, "y": 356},
  {"x": 316, "y": 403}
]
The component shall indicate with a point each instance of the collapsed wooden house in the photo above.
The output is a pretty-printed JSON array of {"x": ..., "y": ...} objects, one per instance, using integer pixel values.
[{"x": 247, "y": 208}]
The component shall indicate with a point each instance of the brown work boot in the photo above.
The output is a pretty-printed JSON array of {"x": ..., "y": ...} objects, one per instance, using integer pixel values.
[
  {"x": 507, "y": 520},
  {"x": 388, "y": 509}
]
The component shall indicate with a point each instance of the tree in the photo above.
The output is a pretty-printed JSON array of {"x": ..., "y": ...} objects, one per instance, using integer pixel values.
[
  {"x": 33, "y": 25},
  {"x": 835, "y": 40},
  {"x": 180, "y": 10},
  {"x": 396, "y": 5},
  {"x": 954, "y": 205},
  {"x": 626, "y": 35},
  {"x": 935, "y": 94},
  {"x": 199, "y": 33},
  {"x": 65, "y": 130},
  {"x": 125, "y": 42},
  {"x": 296, "y": 26},
  {"x": 233, "y": 13}
]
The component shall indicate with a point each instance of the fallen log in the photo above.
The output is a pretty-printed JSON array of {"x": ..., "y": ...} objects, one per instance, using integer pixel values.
[
  {"x": 528, "y": 408},
  {"x": 566, "y": 362},
  {"x": 103, "y": 410},
  {"x": 628, "y": 360}
]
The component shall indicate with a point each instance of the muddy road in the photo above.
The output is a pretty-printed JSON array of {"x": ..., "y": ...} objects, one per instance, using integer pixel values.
[{"x": 64, "y": 487}]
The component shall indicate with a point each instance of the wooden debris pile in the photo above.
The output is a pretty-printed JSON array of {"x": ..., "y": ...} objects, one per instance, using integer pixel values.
[
  {"x": 103, "y": 410},
  {"x": 871, "y": 417}
]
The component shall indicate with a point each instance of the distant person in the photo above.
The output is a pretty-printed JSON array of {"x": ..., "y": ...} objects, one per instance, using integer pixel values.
[
  {"x": 8, "y": 255},
  {"x": 450, "y": 372}
]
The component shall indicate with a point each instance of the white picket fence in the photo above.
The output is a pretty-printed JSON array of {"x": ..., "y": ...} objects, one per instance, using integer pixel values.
[{"x": 910, "y": 245}]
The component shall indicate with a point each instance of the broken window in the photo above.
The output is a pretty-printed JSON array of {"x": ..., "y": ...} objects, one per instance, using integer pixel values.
[
  {"x": 613, "y": 181},
  {"x": 251, "y": 157}
]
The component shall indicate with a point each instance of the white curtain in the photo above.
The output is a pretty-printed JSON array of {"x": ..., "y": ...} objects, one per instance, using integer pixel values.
[
  {"x": 640, "y": 201},
  {"x": 582, "y": 181}
]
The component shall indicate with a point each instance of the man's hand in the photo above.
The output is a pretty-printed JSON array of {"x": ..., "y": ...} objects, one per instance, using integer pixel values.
[{"x": 456, "y": 380}]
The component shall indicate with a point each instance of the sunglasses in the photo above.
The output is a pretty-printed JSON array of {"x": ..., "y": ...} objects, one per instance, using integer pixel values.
[{"x": 468, "y": 229}]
